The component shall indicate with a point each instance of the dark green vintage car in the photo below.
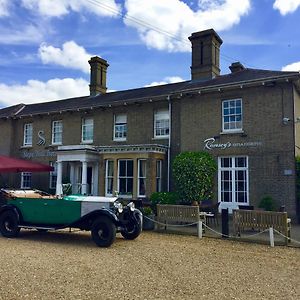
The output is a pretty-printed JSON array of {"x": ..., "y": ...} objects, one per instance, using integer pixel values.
[{"x": 103, "y": 216}]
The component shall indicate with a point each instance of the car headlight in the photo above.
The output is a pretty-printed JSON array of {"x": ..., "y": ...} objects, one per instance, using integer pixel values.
[
  {"x": 118, "y": 206},
  {"x": 131, "y": 206}
]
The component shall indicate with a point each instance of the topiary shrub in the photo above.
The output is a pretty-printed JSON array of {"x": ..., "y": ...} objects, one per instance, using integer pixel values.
[
  {"x": 194, "y": 175},
  {"x": 267, "y": 203}
]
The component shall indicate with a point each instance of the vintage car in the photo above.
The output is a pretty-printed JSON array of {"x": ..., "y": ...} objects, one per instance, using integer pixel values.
[{"x": 103, "y": 216}]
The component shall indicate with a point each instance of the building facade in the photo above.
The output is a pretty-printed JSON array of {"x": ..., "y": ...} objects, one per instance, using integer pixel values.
[{"x": 126, "y": 141}]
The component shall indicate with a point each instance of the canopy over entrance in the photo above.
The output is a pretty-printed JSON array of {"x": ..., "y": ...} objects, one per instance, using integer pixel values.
[{"x": 11, "y": 164}]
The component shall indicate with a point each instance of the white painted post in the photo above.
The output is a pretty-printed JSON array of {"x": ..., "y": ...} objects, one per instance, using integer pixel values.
[
  {"x": 271, "y": 232},
  {"x": 199, "y": 227},
  {"x": 59, "y": 179},
  {"x": 84, "y": 178}
]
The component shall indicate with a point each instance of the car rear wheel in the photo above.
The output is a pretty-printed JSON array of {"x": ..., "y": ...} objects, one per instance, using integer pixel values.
[
  {"x": 9, "y": 224},
  {"x": 103, "y": 232}
]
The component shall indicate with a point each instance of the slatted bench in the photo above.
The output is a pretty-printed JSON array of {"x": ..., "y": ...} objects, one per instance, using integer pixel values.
[
  {"x": 260, "y": 220},
  {"x": 176, "y": 214}
]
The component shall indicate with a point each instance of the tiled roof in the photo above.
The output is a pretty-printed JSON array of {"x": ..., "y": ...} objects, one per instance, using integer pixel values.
[{"x": 140, "y": 94}]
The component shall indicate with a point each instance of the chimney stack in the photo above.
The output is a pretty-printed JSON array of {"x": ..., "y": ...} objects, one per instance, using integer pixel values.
[
  {"x": 205, "y": 54},
  {"x": 236, "y": 67},
  {"x": 98, "y": 75}
]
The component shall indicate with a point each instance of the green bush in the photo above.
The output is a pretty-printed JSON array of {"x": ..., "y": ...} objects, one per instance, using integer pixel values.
[
  {"x": 267, "y": 203},
  {"x": 164, "y": 198},
  {"x": 147, "y": 211},
  {"x": 194, "y": 175}
]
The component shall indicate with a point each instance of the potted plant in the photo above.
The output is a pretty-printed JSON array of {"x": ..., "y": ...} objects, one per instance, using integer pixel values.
[{"x": 148, "y": 217}]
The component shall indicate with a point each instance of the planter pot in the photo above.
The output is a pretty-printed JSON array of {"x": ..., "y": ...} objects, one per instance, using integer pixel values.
[{"x": 148, "y": 224}]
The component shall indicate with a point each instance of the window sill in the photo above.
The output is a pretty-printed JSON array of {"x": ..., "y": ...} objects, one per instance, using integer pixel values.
[
  {"x": 86, "y": 142},
  {"x": 119, "y": 140},
  {"x": 53, "y": 145},
  {"x": 26, "y": 146},
  {"x": 232, "y": 132},
  {"x": 165, "y": 137}
]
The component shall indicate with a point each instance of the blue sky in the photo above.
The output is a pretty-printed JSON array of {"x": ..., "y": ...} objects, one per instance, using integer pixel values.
[{"x": 45, "y": 44}]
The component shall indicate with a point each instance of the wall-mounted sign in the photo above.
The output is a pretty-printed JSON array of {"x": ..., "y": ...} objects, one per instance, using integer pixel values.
[
  {"x": 38, "y": 153},
  {"x": 41, "y": 136},
  {"x": 210, "y": 144}
]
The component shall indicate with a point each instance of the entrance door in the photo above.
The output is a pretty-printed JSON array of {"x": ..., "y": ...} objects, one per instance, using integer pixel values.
[
  {"x": 233, "y": 182},
  {"x": 89, "y": 182}
]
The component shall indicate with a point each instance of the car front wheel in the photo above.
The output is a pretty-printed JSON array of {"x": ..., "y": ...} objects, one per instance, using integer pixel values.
[
  {"x": 9, "y": 224},
  {"x": 133, "y": 229},
  {"x": 103, "y": 232}
]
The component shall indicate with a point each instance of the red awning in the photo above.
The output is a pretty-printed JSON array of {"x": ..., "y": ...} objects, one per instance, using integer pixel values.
[{"x": 11, "y": 164}]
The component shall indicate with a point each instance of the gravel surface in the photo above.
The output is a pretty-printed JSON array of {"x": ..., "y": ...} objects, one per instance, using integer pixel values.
[{"x": 63, "y": 265}]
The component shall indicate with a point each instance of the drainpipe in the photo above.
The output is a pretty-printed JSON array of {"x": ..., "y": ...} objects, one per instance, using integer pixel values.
[{"x": 170, "y": 135}]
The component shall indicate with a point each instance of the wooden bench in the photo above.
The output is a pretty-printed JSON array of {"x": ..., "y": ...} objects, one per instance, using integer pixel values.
[
  {"x": 261, "y": 220},
  {"x": 175, "y": 214}
]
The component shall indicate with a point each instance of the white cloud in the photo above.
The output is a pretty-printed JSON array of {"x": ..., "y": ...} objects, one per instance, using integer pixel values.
[
  {"x": 174, "y": 18},
  {"x": 166, "y": 80},
  {"x": 58, "y": 8},
  {"x": 292, "y": 67},
  {"x": 4, "y": 8},
  {"x": 36, "y": 91},
  {"x": 27, "y": 35},
  {"x": 286, "y": 6},
  {"x": 70, "y": 55}
]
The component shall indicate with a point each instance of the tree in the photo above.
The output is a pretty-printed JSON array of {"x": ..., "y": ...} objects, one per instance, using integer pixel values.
[{"x": 194, "y": 175}]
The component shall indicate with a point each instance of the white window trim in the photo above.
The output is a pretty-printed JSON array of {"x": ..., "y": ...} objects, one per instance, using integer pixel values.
[
  {"x": 52, "y": 135},
  {"x": 118, "y": 177},
  {"x": 138, "y": 178},
  {"x": 158, "y": 187},
  {"x": 233, "y": 179},
  {"x": 106, "y": 176},
  {"x": 82, "y": 128},
  {"x": 52, "y": 173},
  {"x": 156, "y": 113},
  {"x": 22, "y": 180},
  {"x": 236, "y": 130},
  {"x": 26, "y": 144},
  {"x": 119, "y": 139}
]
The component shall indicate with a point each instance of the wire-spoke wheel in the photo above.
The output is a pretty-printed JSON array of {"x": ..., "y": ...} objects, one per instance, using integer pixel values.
[{"x": 9, "y": 224}]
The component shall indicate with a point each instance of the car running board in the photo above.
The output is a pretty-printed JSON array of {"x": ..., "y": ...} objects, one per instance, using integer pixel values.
[{"x": 37, "y": 227}]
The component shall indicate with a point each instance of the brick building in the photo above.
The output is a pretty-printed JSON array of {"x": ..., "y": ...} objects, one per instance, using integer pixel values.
[{"x": 125, "y": 141}]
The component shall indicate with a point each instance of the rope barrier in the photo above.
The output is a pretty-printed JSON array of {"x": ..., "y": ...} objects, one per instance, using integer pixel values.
[
  {"x": 290, "y": 239},
  {"x": 219, "y": 233}
]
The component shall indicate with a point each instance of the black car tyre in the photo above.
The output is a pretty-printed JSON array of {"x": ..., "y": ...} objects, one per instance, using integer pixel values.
[
  {"x": 103, "y": 232},
  {"x": 9, "y": 224},
  {"x": 42, "y": 230},
  {"x": 132, "y": 230}
]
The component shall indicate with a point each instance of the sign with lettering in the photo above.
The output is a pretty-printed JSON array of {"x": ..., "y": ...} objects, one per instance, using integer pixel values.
[
  {"x": 38, "y": 153},
  {"x": 210, "y": 144}
]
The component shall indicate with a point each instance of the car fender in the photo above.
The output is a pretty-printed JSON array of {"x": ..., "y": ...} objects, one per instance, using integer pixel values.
[
  {"x": 7, "y": 207},
  {"x": 95, "y": 214}
]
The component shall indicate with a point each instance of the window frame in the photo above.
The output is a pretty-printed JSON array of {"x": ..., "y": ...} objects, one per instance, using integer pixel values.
[
  {"x": 236, "y": 129},
  {"x": 109, "y": 177},
  {"x": 233, "y": 169},
  {"x": 124, "y": 132},
  {"x": 155, "y": 127},
  {"x": 126, "y": 177},
  {"x": 27, "y": 143},
  {"x": 84, "y": 130},
  {"x": 139, "y": 178},
  {"x": 26, "y": 183},
  {"x": 53, "y": 175},
  {"x": 53, "y": 142},
  {"x": 158, "y": 176}
]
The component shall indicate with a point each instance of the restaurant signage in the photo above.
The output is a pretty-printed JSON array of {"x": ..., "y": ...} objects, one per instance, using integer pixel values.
[
  {"x": 38, "y": 153},
  {"x": 210, "y": 144}
]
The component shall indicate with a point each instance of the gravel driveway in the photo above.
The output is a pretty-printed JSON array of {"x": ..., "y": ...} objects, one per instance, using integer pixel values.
[{"x": 63, "y": 265}]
